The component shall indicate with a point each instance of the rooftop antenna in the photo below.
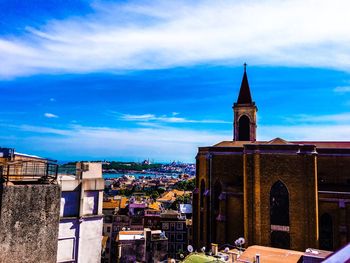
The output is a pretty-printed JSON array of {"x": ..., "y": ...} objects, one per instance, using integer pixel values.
[{"x": 245, "y": 67}]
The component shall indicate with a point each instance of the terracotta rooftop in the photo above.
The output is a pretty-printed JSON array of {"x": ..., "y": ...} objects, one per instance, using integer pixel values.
[
  {"x": 155, "y": 205},
  {"x": 318, "y": 144},
  {"x": 326, "y": 144},
  {"x": 232, "y": 143},
  {"x": 112, "y": 204},
  {"x": 171, "y": 195},
  {"x": 270, "y": 255}
]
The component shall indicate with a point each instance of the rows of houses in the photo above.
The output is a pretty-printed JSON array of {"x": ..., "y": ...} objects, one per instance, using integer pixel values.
[{"x": 138, "y": 216}]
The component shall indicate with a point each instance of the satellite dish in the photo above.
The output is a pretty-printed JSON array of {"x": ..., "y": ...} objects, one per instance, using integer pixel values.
[
  {"x": 203, "y": 249},
  {"x": 173, "y": 260},
  {"x": 162, "y": 234},
  {"x": 241, "y": 240},
  {"x": 227, "y": 249},
  {"x": 190, "y": 248}
]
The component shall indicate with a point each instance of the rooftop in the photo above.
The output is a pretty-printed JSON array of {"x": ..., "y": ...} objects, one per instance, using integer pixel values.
[
  {"x": 279, "y": 141},
  {"x": 270, "y": 255},
  {"x": 200, "y": 258},
  {"x": 22, "y": 168}
]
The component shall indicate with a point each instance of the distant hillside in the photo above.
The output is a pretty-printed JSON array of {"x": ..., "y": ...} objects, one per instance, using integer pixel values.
[{"x": 130, "y": 166}]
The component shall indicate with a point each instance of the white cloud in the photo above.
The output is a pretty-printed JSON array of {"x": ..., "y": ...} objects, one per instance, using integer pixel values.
[
  {"x": 161, "y": 143},
  {"x": 342, "y": 89},
  {"x": 305, "y": 132},
  {"x": 40, "y": 129},
  {"x": 165, "y": 119},
  {"x": 158, "y": 34},
  {"x": 50, "y": 115},
  {"x": 318, "y": 119}
]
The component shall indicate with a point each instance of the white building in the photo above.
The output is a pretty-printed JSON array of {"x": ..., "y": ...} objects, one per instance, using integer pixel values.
[{"x": 81, "y": 222}]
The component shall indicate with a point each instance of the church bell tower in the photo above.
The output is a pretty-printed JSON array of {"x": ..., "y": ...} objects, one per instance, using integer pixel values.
[{"x": 244, "y": 113}]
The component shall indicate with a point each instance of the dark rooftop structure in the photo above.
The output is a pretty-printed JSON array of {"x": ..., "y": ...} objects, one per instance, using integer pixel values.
[{"x": 19, "y": 168}]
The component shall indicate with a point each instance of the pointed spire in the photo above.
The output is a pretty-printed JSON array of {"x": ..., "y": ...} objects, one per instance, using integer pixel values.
[{"x": 244, "y": 96}]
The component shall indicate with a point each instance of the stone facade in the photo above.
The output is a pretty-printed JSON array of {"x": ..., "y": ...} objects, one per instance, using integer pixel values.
[{"x": 277, "y": 193}]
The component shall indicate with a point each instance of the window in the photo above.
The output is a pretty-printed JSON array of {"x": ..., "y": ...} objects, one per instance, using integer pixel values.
[
  {"x": 66, "y": 249},
  {"x": 108, "y": 229},
  {"x": 179, "y": 237},
  {"x": 179, "y": 226},
  {"x": 70, "y": 203},
  {"x": 280, "y": 239},
  {"x": 279, "y": 216},
  {"x": 326, "y": 232},
  {"x": 217, "y": 192},
  {"x": 244, "y": 128},
  {"x": 172, "y": 226},
  {"x": 165, "y": 226},
  {"x": 90, "y": 202},
  {"x": 202, "y": 193},
  {"x": 108, "y": 219},
  {"x": 279, "y": 204},
  {"x": 179, "y": 247}
]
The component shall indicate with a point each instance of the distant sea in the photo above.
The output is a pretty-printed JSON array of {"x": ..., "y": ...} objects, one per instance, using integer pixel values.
[{"x": 138, "y": 175}]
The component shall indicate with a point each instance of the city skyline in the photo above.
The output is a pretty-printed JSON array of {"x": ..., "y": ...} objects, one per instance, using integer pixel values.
[{"x": 134, "y": 80}]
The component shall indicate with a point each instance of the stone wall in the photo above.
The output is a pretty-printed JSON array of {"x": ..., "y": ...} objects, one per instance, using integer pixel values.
[
  {"x": 298, "y": 173},
  {"x": 29, "y": 220}
]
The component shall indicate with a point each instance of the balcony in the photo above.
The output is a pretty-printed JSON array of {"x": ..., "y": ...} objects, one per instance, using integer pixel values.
[{"x": 26, "y": 171}]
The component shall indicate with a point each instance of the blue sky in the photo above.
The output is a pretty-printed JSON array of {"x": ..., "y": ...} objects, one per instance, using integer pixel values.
[{"x": 131, "y": 80}]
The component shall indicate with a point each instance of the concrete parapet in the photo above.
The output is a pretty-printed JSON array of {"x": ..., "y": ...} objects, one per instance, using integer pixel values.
[{"x": 29, "y": 221}]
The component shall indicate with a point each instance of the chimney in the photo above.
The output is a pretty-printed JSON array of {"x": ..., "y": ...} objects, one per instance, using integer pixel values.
[
  {"x": 214, "y": 248},
  {"x": 257, "y": 258}
]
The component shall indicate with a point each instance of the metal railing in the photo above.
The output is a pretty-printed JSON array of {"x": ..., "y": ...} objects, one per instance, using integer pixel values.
[
  {"x": 67, "y": 169},
  {"x": 23, "y": 171}
]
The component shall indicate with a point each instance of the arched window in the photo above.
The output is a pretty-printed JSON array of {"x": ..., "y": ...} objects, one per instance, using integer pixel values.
[
  {"x": 326, "y": 232},
  {"x": 279, "y": 205},
  {"x": 201, "y": 212},
  {"x": 279, "y": 215},
  {"x": 216, "y": 208},
  {"x": 280, "y": 239},
  {"x": 244, "y": 128},
  {"x": 217, "y": 192},
  {"x": 201, "y": 197}
]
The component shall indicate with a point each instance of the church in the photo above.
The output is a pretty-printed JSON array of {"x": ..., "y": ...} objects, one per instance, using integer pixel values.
[{"x": 284, "y": 194}]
